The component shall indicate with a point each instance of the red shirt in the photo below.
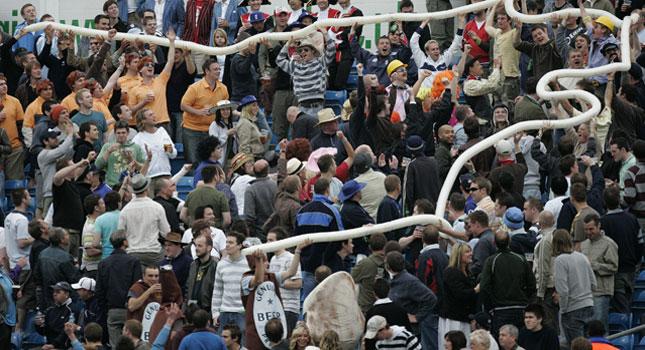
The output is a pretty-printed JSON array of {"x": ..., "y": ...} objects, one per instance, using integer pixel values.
[
  {"x": 342, "y": 174},
  {"x": 483, "y": 35}
]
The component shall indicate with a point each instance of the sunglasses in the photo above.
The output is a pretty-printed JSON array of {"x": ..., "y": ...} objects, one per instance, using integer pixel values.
[{"x": 473, "y": 189}]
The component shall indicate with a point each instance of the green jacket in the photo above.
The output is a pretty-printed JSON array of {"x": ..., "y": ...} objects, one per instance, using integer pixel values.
[{"x": 117, "y": 162}]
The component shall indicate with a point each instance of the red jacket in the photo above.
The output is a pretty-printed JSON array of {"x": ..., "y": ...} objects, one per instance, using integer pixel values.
[{"x": 477, "y": 51}]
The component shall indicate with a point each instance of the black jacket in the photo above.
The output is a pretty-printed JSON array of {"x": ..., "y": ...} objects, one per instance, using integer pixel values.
[
  {"x": 117, "y": 273},
  {"x": 171, "y": 213},
  {"x": 54, "y": 327},
  {"x": 354, "y": 216},
  {"x": 459, "y": 295},
  {"x": 9, "y": 67},
  {"x": 244, "y": 77},
  {"x": 624, "y": 229},
  {"x": 54, "y": 265},
  {"x": 425, "y": 124},
  {"x": 507, "y": 280},
  {"x": 421, "y": 180}
]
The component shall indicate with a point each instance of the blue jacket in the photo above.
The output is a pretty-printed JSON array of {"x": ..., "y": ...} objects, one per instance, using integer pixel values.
[
  {"x": 28, "y": 41},
  {"x": 174, "y": 15},
  {"x": 232, "y": 15},
  {"x": 412, "y": 295}
]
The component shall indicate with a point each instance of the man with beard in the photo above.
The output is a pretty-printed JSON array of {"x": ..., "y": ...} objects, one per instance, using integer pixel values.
[{"x": 202, "y": 274}]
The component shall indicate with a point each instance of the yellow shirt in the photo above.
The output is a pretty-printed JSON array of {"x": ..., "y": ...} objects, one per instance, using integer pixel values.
[
  {"x": 13, "y": 113},
  {"x": 100, "y": 105},
  {"x": 70, "y": 102},
  {"x": 510, "y": 56},
  {"x": 158, "y": 105},
  {"x": 34, "y": 108},
  {"x": 200, "y": 95},
  {"x": 127, "y": 83}
]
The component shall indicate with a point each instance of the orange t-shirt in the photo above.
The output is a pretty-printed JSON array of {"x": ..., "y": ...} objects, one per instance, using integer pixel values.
[
  {"x": 127, "y": 83},
  {"x": 13, "y": 113},
  {"x": 100, "y": 105},
  {"x": 70, "y": 102},
  {"x": 34, "y": 108},
  {"x": 200, "y": 95},
  {"x": 158, "y": 105}
]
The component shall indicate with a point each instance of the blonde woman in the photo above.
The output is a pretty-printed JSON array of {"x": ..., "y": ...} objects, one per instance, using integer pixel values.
[
  {"x": 330, "y": 341},
  {"x": 157, "y": 141},
  {"x": 300, "y": 338},
  {"x": 480, "y": 340},
  {"x": 220, "y": 40},
  {"x": 249, "y": 137},
  {"x": 460, "y": 293}
]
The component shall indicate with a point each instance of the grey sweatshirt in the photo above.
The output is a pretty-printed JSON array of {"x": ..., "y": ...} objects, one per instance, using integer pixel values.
[
  {"x": 574, "y": 281},
  {"x": 47, "y": 162}
]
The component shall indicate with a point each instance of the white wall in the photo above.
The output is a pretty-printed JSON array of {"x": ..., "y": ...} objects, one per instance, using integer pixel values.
[{"x": 82, "y": 12}]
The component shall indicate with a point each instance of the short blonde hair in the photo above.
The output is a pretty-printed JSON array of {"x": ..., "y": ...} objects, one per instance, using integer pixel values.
[{"x": 480, "y": 337}]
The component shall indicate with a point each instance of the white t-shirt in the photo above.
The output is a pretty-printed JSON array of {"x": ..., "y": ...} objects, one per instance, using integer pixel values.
[
  {"x": 219, "y": 242},
  {"x": 16, "y": 225},
  {"x": 290, "y": 297},
  {"x": 160, "y": 163},
  {"x": 554, "y": 206}
]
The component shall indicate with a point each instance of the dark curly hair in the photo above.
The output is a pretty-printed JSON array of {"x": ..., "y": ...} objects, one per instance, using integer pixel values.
[
  {"x": 299, "y": 148},
  {"x": 206, "y": 147}
]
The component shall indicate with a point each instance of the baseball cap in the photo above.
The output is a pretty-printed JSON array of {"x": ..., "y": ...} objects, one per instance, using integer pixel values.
[
  {"x": 504, "y": 148},
  {"x": 85, "y": 283},
  {"x": 49, "y": 134},
  {"x": 374, "y": 325},
  {"x": 62, "y": 286}
]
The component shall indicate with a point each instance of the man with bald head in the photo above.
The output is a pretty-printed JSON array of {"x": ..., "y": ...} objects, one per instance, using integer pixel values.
[
  {"x": 444, "y": 153},
  {"x": 303, "y": 125},
  {"x": 258, "y": 199},
  {"x": 543, "y": 267},
  {"x": 507, "y": 285}
]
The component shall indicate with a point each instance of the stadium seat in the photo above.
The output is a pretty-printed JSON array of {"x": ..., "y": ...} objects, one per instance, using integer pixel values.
[
  {"x": 335, "y": 99},
  {"x": 639, "y": 299},
  {"x": 624, "y": 343},
  {"x": 10, "y": 185},
  {"x": 619, "y": 322}
]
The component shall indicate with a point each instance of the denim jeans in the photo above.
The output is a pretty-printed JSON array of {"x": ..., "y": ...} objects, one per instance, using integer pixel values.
[
  {"x": 573, "y": 322},
  {"x": 514, "y": 316},
  {"x": 176, "y": 119},
  {"x": 192, "y": 138},
  {"x": 231, "y": 317},
  {"x": 308, "y": 284},
  {"x": 623, "y": 290},
  {"x": 601, "y": 308},
  {"x": 428, "y": 332}
]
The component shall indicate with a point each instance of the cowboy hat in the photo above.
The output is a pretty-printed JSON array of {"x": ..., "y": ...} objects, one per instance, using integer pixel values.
[
  {"x": 223, "y": 104},
  {"x": 327, "y": 115},
  {"x": 172, "y": 237}
]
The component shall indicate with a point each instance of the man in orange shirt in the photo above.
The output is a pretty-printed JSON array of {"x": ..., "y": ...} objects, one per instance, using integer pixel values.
[
  {"x": 11, "y": 114},
  {"x": 151, "y": 94},
  {"x": 45, "y": 91},
  {"x": 196, "y": 104}
]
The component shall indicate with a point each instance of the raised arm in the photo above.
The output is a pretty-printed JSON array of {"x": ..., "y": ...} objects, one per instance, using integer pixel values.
[
  {"x": 490, "y": 19},
  {"x": 112, "y": 82},
  {"x": 170, "y": 62}
]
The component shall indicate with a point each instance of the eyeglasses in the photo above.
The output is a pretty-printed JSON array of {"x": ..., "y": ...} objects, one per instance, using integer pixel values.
[{"x": 473, "y": 189}]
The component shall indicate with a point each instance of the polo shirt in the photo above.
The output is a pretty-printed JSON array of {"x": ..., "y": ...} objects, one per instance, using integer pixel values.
[
  {"x": 158, "y": 105},
  {"x": 200, "y": 95},
  {"x": 13, "y": 113},
  {"x": 69, "y": 102},
  {"x": 34, "y": 108}
]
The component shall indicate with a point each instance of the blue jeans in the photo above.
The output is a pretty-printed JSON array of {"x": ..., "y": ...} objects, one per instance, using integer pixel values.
[
  {"x": 601, "y": 308},
  {"x": 308, "y": 284},
  {"x": 191, "y": 139},
  {"x": 573, "y": 322},
  {"x": 231, "y": 317},
  {"x": 176, "y": 119},
  {"x": 428, "y": 332}
]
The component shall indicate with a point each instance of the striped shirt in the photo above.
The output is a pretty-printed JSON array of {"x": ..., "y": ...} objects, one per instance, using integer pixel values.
[
  {"x": 226, "y": 289},
  {"x": 401, "y": 340},
  {"x": 309, "y": 78},
  {"x": 634, "y": 194}
]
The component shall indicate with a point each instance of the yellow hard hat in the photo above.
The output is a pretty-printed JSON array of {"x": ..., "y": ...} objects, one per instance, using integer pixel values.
[
  {"x": 394, "y": 65},
  {"x": 605, "y": 21}
]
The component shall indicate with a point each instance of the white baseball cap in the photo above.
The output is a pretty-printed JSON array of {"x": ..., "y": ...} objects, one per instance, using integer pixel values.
[
  {"x": 85, "y": 283},
  {"x": 374, "y": 325}
]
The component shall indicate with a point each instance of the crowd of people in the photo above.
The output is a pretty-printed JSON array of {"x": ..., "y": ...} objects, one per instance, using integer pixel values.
[{"x": 100, "y": 250}]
